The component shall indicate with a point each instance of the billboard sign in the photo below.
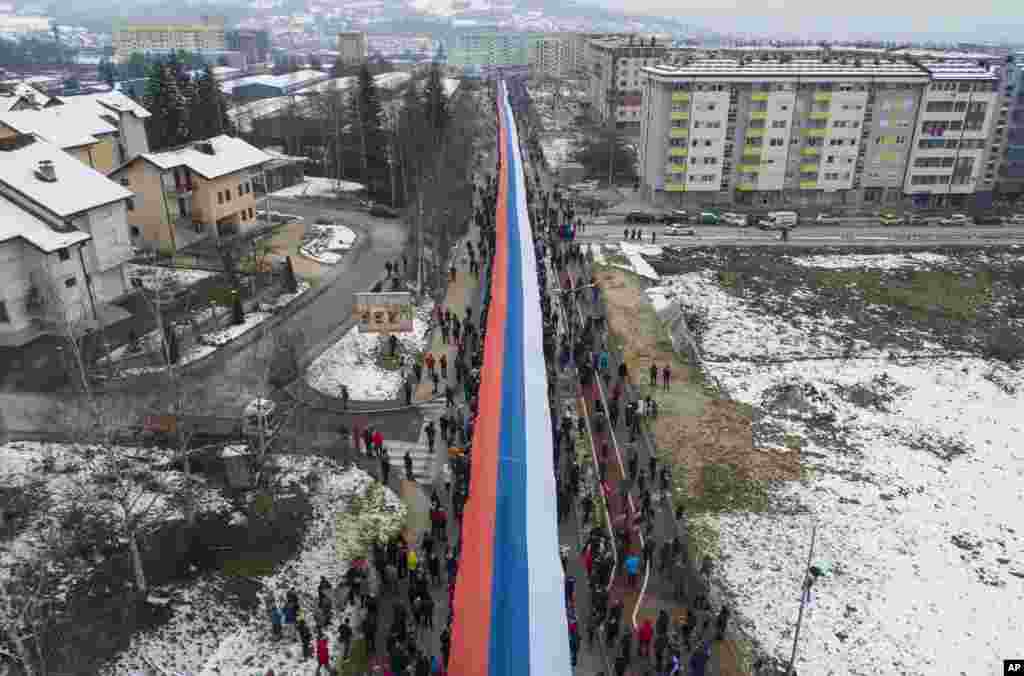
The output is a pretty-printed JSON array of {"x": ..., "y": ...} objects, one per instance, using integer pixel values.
[{"x": 387, "y": 312}]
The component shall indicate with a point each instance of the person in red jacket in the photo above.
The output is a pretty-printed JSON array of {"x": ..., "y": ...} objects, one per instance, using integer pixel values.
[
  {"x": 323, "y": 655},
  {"x": 644, "y": 634},
  {"x": 378, "y": 442}
]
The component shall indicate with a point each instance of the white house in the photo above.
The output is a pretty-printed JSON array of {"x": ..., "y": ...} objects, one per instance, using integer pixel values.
[
  {"x": 120, "y": 111},
  {"x": 63, "y": 230}
]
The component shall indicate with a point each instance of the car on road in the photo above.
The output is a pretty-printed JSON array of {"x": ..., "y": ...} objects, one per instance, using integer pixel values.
[
  {"x": 678, "y": 230},
  {"x": 778, "y": 220},
  {"x": 988, "y": 219},
  {"x": 708, "y": 218},
  {"x": 733, "y": 218},
  {"x": 915, "y": 219},
  {"x": 381, "y": 211},
  {"x": 1016, "y": 219},
  {"x": 681, "y": 214},
  {"x": 890, "y": 218},
  {"x": 956, "y": 220},
  {"x": 639, "y": 217},
  {"x": 826, "y": 218}
]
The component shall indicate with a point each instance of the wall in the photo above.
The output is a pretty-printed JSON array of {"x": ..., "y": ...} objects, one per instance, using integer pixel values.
[
  {"x": 105, "y": 154},
  {"x": 890, "y": 137},
  {"x": 14, "y": 284},
  {"x": 109, "y": 249},
  {"x": 150, "y": 212},
  {"x": 133, "y": 135},
  {"x": 207, "y": 207}
]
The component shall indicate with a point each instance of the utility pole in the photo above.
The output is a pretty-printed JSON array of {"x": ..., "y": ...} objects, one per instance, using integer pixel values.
[{"x": 805, "y": 593}]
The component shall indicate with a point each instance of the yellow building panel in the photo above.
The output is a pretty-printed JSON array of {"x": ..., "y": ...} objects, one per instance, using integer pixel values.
[
  {"x": 817, "y": 133},
  {"x": 680, "y": 96},
  {"x": 746, "y": 187},
  {"x": 675, "y": 187},
  {"x": 680, "y": 115},
  {"x": 809, "y": 168},
  {"x": 676, "y": 169},
  {"x": 889, "y": 157},
  {"x": 752, "y": 150},
  {"x": 808, "y": 185},
  {"x": 678, "y": 132},
  {"x": 755, "y": 133},
  {"x": 678, "y": 151},
  {"x": 820, "y": 114},
  {"x": 759, "y": 115},
  {"x": 810, "y": 151},
  {"x": 822, "y": 96},
  {"x": 759, "y": 96},
  {"x": 750, "y": 168}
]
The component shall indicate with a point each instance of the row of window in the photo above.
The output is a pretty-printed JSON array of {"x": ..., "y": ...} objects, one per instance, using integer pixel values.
[
  {"x": 964, "y": 86},
  {"x": 955, "y": 107},
  {"x": 225, "y": 195}
]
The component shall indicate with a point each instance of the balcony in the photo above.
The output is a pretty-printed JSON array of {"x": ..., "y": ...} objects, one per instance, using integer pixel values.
[
  {"x": 820, "y": 114},
  {"x": 680, "y": 115},
  {"x": 759, "y": 96},
  {"x": 676, "y": 151},
  {"x": 808, "y": 185},
  {"x": 809, "y": 168},
  {"x": 680, "y": 96},
  {"x": 817, "y": 132},
  {"x": 810, "y": 151},
  {"x": 755, "y": 133},
  {"x": 822, "y": 96},
  {"x": 678, "y": 132},
  {"x": 675, "y": 187},
  {"x": 759, "y": 115}
]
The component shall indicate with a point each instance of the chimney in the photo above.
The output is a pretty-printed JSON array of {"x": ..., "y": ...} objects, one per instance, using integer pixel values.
[
  {"x": 46, "y": 172},
  {"x": 205, "y": 147}
]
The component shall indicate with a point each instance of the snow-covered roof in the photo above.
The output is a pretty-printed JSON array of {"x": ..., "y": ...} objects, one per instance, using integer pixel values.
[
  {"x": 286, "y": 81},
  {"x": 64, "y": 127},
  {"x": 334, "y": 84},
  {"x": 229, "y": 155},
  {"x": 16, "y": 222},
  {"x": 27, "y": 91},
  {"x": 114, "y": 100},
  {"x": 78, "y": 188},
  {"x": 392, "y": 80}
]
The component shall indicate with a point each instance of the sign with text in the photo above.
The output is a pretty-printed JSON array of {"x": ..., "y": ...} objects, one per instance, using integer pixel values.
[{"x": 386, "y": 312}]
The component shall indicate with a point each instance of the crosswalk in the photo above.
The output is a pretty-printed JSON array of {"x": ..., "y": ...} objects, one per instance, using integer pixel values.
[{"x": 426, "y": 466}]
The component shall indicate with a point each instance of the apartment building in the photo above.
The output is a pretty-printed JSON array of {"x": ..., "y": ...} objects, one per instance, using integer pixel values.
[
  {"x": 203, "y": 189},
  {"x": 1010, "y": 170},
  {"x": 352, "y": 47},
  {"x": 773, "y": 133},
  {"x": 63, "y": 236},
  {"x": 551, "y": 54},
  {"x": 485, "y": 50},
  {"x": 615, "y": 77},
  {"x": 160, "y": 35}
]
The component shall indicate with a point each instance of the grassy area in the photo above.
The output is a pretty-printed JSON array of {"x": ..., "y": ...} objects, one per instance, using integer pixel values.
[
  {"x": 925, "y": 292},
  {"x": 724, "y": 489},
  {"x": 616, "y": 259},
  {"x": 247, "y": 568},
  {"x": 358, "y": 662}
]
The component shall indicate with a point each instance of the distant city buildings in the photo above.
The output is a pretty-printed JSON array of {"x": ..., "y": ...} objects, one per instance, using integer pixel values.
[
  {"x": 352, "y": 47},
  {"x": 159, "y": 35},
  {"x": 487, "y": 49}
]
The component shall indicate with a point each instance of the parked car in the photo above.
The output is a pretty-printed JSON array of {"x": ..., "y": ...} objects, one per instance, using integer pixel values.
[
  {"x": 890, "y": 218},
  {"x": 778, "y": 220},
  {"x": 1016, "y": 219},
  {"x": 956, "y": 219},
  {"x": 915, "y": 219},
  {"x": 733, "y": 218},
  {"x": 988, "y": 219},
  {"x": 639, "y": 217},
  {"x": 666, "y": 217},
  {"x": 826, "y": 218},
  {"x": 680, "y": 214},
  {"x": 707, "y": 218},
  {"x": 679, "y": 230},
  {"x": 381, "y": 211}
]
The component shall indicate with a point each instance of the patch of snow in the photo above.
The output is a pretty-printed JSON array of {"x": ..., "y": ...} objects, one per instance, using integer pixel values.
[
  {"x": 318, "y": 186},
  {"x": 352, "y": 362},
  {"x": 164, "y": 279},
  {"x": 226, "y": 335},
  {"x": 873, "y": 261},
  {"x": 635, "y": 253},
  {"x": 286, "y": 298},
  {"x": 328, "y": 242}
]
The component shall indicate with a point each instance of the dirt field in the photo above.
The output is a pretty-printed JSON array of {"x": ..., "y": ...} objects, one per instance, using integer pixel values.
[{"x": 286, "y": 242}]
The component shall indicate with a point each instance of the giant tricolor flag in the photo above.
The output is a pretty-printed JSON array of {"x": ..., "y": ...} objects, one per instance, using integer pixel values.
[{"x": 510, "y": 613}]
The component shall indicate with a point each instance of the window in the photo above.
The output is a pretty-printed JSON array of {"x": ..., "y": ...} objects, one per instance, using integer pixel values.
[
  {"x": 134, "y": 230},
  {"x": 63, "y": 254},
  {"x": 241, "y": 191},
  {"x": 250, "y": 213},
  {"x": 130, "y": 202},
  {"x": 227, "y": 195},
  {"x": 70, "y": 282},
  {"x": 220, "y": 197},
  {"x": 124, "y": 181},
  {"x": 778, "y": 124},
  {"x": 5, "y": 318},
  {"x": 248, "y": 187}
]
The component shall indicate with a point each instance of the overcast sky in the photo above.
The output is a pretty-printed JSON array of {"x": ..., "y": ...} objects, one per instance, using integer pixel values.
[{"x": 999, "y": 19}]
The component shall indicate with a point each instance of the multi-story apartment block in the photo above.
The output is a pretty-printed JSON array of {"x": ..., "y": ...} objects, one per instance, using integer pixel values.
[
  {"x": 160, "y": 35},
  {"x": 64, "y": 240},
  {"x": 551, "y": 54},
  {"x": 485, "y": 50},
  {"x": 203, "y": 189},
  {"x": 952, "y": 137},
  {"x": 796, "y": 133},
  {"x": 1010, "y": 172},
  {"x": 615, "y": 77},
  {"x": 352, "y": 47}
]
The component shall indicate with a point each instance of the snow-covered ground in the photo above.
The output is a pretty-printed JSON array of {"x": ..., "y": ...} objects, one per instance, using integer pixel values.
[
  {"x": 229, "y": 333},
  {"x": 637, "y": 262},
  {"x": 913, "y": 479},
  {"x": 874, "y": 261},
  {"x": 557, "y": 151},
  {"x": 328, "y": 243},
  {"x": 318, "y": 186},
  {"x": 208, "y": 637},
  {"x": 352, "y": 362},
  {"x": 168, "y": 280}
]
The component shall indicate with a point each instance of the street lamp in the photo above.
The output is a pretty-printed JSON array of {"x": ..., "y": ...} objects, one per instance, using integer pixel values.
[{"x": 811, "y": 573}]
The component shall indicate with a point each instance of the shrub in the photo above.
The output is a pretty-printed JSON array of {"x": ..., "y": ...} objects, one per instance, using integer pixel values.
[{"x": 1005, "y": 344}]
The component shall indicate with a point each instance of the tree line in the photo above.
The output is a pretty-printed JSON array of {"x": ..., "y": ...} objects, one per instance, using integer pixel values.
[{"x": 182, "y": 107}]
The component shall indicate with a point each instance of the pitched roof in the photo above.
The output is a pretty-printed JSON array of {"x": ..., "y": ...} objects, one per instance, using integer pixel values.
[
  {"x": 15, "y": 222},
  {"x": 26, "y": 91},
  {"x": 113, "y": 100},
  {"x": 78, "y": 188},
  {"x": 230, "y": 154},
  {"x": 62, "y": 126}
]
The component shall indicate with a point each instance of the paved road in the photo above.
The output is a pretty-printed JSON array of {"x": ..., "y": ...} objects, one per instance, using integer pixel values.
[{"x": 813, "y": 235}]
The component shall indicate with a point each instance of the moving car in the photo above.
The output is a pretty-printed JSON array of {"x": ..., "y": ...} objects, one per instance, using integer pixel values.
[
  {"x": 778, "y": 220},
  {"x": 679, "y": 230},
  {"x": 890, "y": 218},
  {"x": 732, "y": 218},
  {"x": 639, "y": 217},
  {"x": 826, "y": 218},
  {"x": 955, "y": 219}
]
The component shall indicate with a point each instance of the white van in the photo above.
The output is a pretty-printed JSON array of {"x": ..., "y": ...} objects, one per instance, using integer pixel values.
[{"x": 778, "y": 220}]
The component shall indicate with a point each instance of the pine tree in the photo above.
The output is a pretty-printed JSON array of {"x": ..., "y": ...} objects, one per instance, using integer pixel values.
[
  {"x": 435, "y": 105},
  {"x": 373, "y": 143},
  {"x": 208, "y": 110},
  {"x": 166, "y": 103}
]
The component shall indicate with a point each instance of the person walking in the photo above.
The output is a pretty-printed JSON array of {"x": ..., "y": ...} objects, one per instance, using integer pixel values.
[
  {"x": 378, "y": 441},
  {"x": 632, "y": 569},
  {"x": 408, "y": 466},
  {"x": 344, "y": 397},
  {"x": 305, "y": 637},
  {"x": 430, "y": 363},
  {"x": 645, "y": 634},
  {"x": 431, "y": 432},
  {"x": 653, "y": 372},
  {"x": 435, "y": 379},
  {"x": 345, "y": 637},
  {"x": 407, "y": 386},
  {"x": 444, "y": 365},
  {"x": 323, "y": 655},
  {"x": 666, "y": 376}
]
